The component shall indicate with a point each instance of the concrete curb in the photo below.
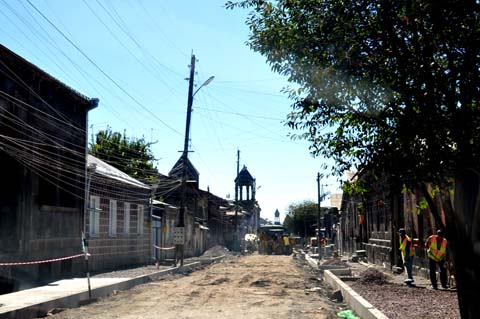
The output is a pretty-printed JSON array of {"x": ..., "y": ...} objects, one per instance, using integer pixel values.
[
  {"x": 358, "y": 304},
  {"x": 28, "y": 309},
  {"x": 313, "y": 262}
]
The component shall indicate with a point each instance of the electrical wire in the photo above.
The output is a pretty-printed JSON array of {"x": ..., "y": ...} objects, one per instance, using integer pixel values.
[{"x": 102, "y": 71}]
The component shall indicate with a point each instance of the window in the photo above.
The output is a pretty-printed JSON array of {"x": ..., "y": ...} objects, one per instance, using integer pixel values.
[
  {"x": 112, "y": 218},
  {"x": 126, "y": 224},
  {"x": 140, "y": 219},
  {"x": 94, "y": 215}
]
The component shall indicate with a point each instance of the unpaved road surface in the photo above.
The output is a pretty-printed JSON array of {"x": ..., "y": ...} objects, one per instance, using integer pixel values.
[{"x": 253, "y": 286}]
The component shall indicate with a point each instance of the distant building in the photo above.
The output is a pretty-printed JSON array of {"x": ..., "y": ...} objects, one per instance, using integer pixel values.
[
  {"x": 336, "y": 200},
  {"x": 276, "y": 221},
  {"x": 205, "y": 217}
]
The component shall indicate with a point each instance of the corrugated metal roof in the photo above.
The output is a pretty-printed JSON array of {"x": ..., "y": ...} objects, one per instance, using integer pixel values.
[
  {"x": 109, "y": 171},
  {"x": 90, "y": 102},
  {"x": 158, "y": 202}
]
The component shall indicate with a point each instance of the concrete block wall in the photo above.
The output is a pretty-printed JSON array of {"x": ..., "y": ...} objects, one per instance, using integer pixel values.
[{"x": 121, "y": 249}]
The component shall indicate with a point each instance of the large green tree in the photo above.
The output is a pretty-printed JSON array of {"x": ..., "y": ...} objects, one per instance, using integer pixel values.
[
  {"x": 132, "y": 156},
  {"x": 301, "y": 218},
  {"x": 390, "y": 87}
]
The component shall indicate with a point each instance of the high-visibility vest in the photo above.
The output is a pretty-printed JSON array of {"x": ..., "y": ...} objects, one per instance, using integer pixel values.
[
  {"x": 433, "y": 252},
  {"x": 403, "y": 246}
]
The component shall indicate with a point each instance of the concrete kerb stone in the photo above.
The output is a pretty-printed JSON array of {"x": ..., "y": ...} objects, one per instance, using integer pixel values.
[
  {"x": 358, "y": 304},
  {"x": 208, "y": 261},
  {"x": 27, "y": 311},
  {"x": 313, "y": 262}
]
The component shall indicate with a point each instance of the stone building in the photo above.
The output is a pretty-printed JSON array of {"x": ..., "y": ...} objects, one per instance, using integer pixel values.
[
  {"x": 118, "y": 218},
  {"x": 43, "y": 125}
]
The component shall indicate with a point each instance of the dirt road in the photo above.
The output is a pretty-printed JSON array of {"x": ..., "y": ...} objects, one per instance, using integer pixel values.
[{"x": 253, "y": 286}]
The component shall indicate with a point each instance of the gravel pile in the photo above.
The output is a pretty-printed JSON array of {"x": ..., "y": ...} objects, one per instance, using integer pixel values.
[
  {"x": 216, "y": 251},
  {"x": 400, "y": 301},
  {"x": 373, "y": 276},
  {"x": 335, "y": 262}
]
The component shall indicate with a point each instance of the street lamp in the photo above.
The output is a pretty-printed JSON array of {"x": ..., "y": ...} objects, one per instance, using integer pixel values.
[{"x": 207, "y": 82}]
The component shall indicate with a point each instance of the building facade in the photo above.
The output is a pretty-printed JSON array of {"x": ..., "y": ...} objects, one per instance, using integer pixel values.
[
  {"x": 43, "y": 144},
  {"x": 117, "y": 221}
]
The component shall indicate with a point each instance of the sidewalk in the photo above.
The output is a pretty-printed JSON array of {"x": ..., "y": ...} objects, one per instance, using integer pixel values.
[{"x": 69, "y": 293}]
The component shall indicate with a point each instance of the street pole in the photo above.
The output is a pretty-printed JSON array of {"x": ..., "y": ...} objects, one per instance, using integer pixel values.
[
  {"x": 235, "y": 221},
  {"x": 179, "y": 233},
  {"x": 89, "y": 173},
  {"x": 180, "y": 227},
  {"x": 318, "y": 218}
]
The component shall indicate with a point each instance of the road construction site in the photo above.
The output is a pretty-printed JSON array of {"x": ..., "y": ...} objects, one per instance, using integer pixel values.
[
  {"x": 252, "y": 286},
  {"x": 237, "y": 286}
]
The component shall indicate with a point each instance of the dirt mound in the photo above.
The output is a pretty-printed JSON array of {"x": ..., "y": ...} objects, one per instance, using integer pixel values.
[
  {"x": 373, "y": 276},
  {"x": 215, "y": 251},
  {"x": 335, "y": 262}
]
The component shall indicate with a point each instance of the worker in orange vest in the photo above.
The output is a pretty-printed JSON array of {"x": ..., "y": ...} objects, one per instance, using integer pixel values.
[
  {"x": 437, "y": 248},
  {"x": 408, "y": 252}
]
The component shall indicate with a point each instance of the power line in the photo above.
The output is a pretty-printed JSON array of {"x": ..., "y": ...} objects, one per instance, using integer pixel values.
[{"x": 101, "y": 70}]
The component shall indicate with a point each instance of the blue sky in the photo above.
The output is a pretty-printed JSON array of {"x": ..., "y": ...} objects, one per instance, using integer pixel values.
[{"x": 140, "y": 51}]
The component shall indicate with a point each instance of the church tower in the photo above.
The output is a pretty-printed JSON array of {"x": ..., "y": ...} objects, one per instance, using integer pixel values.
[
  {"x": 245, "y": 188},
  {"x": 276, "y": 221}
]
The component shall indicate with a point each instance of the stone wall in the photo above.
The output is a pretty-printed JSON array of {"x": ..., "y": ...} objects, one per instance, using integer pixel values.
[{"x": 126, "y": 246}]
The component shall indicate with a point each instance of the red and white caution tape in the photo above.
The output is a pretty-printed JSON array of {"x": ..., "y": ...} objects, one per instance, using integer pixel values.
[
  {"x": 41, "y": 261},
  {"x": 163, "y": 248}
]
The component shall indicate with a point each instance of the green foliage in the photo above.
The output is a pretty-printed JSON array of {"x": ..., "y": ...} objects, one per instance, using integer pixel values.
[
  {"x": 132, "y": 156},
  {"x": 389, "y": 86},
  {"x": 301, "y": 218},
  {"x": 352, "y": 188},
  {"x": 422, "y": 203}
]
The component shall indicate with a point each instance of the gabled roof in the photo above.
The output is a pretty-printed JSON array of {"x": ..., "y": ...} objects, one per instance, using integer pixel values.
[
  {"x": 111, "y": 172},
  {"x": 176, "y": 171},
  {"x": 244, "y": 177},
  {"x": 8, "y": 59}
]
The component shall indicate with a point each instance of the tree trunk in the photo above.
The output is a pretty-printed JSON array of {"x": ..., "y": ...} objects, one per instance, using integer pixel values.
[
  {"x": 462, "y": 230},
  {"x": 463, "y": 234}
]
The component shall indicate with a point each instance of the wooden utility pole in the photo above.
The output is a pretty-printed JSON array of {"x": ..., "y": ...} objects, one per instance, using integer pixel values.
[
  {"x": 179, "y": 234},
  {"x": 318, "y": 217},
  {"x": 235, "y": 222}
]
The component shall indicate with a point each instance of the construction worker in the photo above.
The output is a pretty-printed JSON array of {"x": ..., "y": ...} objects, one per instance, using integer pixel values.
[
  {"x": 437, "y": 248},
  {"x": 408, "y": 252},
  {"x": 286, "y": 244}
]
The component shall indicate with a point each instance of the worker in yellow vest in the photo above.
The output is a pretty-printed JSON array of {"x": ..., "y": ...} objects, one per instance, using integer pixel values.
[
  {"x": 408, "y": 252},
  {"x": 437, "y": 248}
]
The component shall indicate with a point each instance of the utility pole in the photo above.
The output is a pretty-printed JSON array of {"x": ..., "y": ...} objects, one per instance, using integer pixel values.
[
  {"x": 179, "y": 233},
  {"x": 318, "y": 218},
  {"x": 238, "y": 162},
  {"x": 235, "y": 222}
]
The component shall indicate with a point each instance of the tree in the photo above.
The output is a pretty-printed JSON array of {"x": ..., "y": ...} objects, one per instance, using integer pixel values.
[
  {"x": 390, "y": 87},
  {"x": 301, "y": 218},
  {"x": 132, "y": 156}
]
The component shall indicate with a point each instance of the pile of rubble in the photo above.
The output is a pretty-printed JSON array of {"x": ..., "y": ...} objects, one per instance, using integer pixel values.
[
  {"x": 335, "y": 262},
  {"x": 373, "y": 276},
  {"x": 216, "y": 251}
]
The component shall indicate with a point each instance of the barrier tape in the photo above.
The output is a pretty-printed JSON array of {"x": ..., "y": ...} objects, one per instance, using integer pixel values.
[
  {"x": 163, "y": 248},
  {"x": 41, "y": 261}
]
